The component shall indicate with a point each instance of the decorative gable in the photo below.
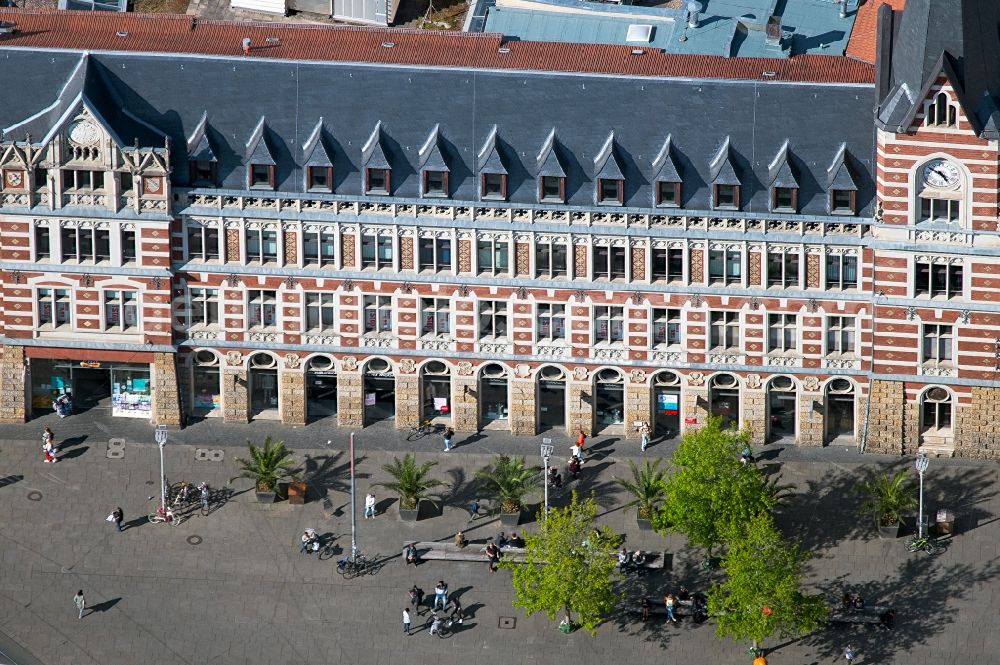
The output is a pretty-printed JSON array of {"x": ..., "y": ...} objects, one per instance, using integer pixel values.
[
  {"x": 838, "y": 175},
  {"x": 665, "y": 167},
  {"x": 431, "y": 157},
  {"x": 314, "y": 150},
  {"x": 489, "y": 159},
  {"x": 548, "y": 161},
  {"x": 373, "y": 152},
  {"x": 606, "y": 164},
  {"x": 257, "y": 150},
  {"x": 721, "y": 169},
  {"x": 199, "y": 146},
  {"x": 780, "y": 169}
]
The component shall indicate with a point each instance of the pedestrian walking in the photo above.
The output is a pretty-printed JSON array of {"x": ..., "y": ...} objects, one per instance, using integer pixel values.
[
  {"x": 118, "y": 516},
  {"x": 81, "y": 602},
  {"x": 644, "y": 604},
  {"x": 581, "y": 440},
  {"x": 644, "y": 435},
  {"x": 448, "y": 436},
  {"x": 440, "y": 595},
  {"x": 669, "y": 601},
  {"x": 50, "y": 452},
  {"x": 849, "y": 654},
  {"x": 473, "y": 509},
  {"x": 456, "y": 610},
  {"x": 574, "y": 467},
  {"x": 406, "y": 621},
  {"x": 416, "y": 598},
  {"x": 370, "y": 505},
  {"x": 492, "y": 555},
  {"x": 48, "y": 437}
]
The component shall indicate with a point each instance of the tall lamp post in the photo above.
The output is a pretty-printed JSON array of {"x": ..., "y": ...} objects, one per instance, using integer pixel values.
[
  {"x": 922, "y": 462},
  {"x": 547, "y": 449},
  {"x": 161, "y": 440}
]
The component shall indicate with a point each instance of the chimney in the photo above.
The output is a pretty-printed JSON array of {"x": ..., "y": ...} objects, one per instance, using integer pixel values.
[
  {"x": 246, "y": 46},
  {"x": 694, "y": 9},
  {"x": 843, "y": 8},
  {"x": 772, "y": 31}
]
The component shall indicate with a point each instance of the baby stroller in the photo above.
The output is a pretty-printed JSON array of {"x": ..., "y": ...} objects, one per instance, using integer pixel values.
[{"x": 63, "y": 405}]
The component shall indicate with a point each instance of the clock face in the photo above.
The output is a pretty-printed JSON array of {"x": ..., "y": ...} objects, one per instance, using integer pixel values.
[
  {"x": 942, "y": 174},
  {"x": 84, "y": 133}
]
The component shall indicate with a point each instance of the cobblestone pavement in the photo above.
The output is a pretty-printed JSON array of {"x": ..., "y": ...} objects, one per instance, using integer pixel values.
[{"x": 232, "y": 587}]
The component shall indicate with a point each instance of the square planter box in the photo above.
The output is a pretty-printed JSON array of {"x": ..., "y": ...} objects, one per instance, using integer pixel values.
[{"x": 297, "y": 493}]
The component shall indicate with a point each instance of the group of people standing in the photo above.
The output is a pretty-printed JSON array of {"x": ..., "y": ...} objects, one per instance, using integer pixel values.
[{"x": 442, "y": 601}]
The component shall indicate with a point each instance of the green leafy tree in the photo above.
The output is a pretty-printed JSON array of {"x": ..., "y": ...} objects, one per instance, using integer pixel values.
[
  {"x": 710, "y": 489},
  {"x": 508, "y": 480},
  {"x": 762, "y": 593},
  {"x": 569, "y": 567},
  {"x": 267, "y": 465},
  {"x": 410, "y": 481}
]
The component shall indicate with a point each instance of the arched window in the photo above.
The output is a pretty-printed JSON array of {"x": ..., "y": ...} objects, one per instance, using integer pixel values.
[
  {"x": 941, "y": 112},
  {"x": 936, "y": 407}
]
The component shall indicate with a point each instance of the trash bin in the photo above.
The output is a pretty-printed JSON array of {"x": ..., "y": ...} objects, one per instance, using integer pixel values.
[{"x": 945, "y": 522}]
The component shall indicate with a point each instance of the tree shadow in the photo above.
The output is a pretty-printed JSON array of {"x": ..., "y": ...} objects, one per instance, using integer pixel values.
[
  {"x": 10, "y": 480},
  {"x": 605, "y": 490},
  {"x": 463, "y": 489},
  {"x": 329, "y": 472}
]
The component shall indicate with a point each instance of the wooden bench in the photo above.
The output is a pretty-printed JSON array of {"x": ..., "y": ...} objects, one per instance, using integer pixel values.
[
  {"x": 865, "y": 615},
  {"x": 442, "y": 551},
  {"x": 683, "y": 608},
  {"x": 653, "y": 560}
]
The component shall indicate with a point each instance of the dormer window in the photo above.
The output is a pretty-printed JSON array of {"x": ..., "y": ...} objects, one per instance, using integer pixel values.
[
  {"x": 610, "y": 191},
  {"x": 726, "y": 197},
  {"x": 377, "y": 181},
  {"x": 941, "y": 113},
  {"x": 435, "y": 183},
  {"x": 784, "y": 199},
  {"x": 320, "y": 178},
  {"x": 495, "y": 186},
  {"x": 202, "y": 172},
  {"x": 261, "y": 176},
  {"x": 668, "y": 194},
  {"x": 842, "y": 201},
  {"x": 552, "y": 189}
]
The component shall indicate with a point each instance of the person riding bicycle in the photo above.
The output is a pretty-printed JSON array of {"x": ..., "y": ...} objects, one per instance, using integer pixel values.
[{"x": 435, "y": 625}]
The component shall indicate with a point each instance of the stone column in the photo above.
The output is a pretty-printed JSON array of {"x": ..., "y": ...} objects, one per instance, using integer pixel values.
[
  {"x": 523, "y": 409},
  {"x": 753, "y": 407},
  {"x": 810, "y": 416},
  {"x": 465, "y": 399},
  {"x": 581, "y": 403},
  {"x": 166, "y": 398},
  {"x": 407, "y": 400},
  {"x": 235, "y": 395},
  {"x": 638, "y": 403},
  {"x": 292, "y": 396},
  {"x": 885, "y": 417},
  {"x": 694, "y": 401},
  {"x": 977, "y": 431},
  {"x": 350, "y": 395},
  {"x": 15, "y": 382}
]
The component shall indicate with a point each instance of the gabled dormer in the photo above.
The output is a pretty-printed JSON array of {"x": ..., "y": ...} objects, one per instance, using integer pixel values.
[
  {"x": 317, "y": 162},
  {"x": 667, "y": 178},
  {"x": 433, "y": 166},
  {"x": 492, "y": 169},
  {"x": 609, "y": 177},
  {"x": 551, "y": 173},
  {"x": 784, "y": 185},
  {"x": 259, "y": 159},
  {"x": 375, "y": 163},
  {"x": 203, "y": 164},
  {"x": 841, "y": 184},
  {"x": 724, "y": 179}
]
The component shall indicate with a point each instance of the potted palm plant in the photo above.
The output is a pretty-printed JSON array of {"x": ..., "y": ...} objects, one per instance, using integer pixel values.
[
  {"x": 508, "y": 480},
  {"x": 886, "y": 498},
  {"x": 647, "y": 488},
  {"x": 267, "y": 465},
  {"x": 411, "y": 483}
]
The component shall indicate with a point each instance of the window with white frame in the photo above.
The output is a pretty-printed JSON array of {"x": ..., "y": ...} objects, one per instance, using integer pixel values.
[
  {"x": 668, "y": 264},
  {"x": 608, "y": 262},
  {"x": 376, "y": 251},
  {"x": 493, "y": 256},
  {"x": 841, "y": 271},
  {"x": 121, "y": 311},
  {"x": 434, "y": 254},
  {"x": 840, "y": 336},
  {"x": 378, "y": 314},
  {"x": 723, "y": 331},
  {"x": 609, "y": 324},
  {"x": 261, "y": 245},
  {"x": 435, "y": 316},
  {"x": 82, "y": 180},
  {"x": 782, "y": 333},
  {"x": 783, "y": 268},
  {"x": 550, "y": 322},
  {"x": 202, "y": 243},
  {"x": 934, "y": 209},
  {"x": 550, "y": 259},
  {"x": 127, "y": 245},
  {"x": 43, "y": 242},
  {"x": 936, "y": 414},
  {"x": 319, "y": 247},
  {"x": 725, "y": 266},
  {"x": 493, "y": 320},
  {"x": 262, "y": 308},
  {"x": 203, "y": 308},
  {"x": 85, "y": 244},
  {"x": 666, "y": 327},
  {"x": 321, "y": 312},
  {"x": 55, "y": 308},
  {"x": 934, "y": 280},
  {"x": 938, "y": 344}
]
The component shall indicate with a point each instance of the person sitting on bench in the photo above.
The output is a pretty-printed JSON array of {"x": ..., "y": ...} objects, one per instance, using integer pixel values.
[
  {"x": 410, "y": 554},
  {"x": 515, "y": 540}
]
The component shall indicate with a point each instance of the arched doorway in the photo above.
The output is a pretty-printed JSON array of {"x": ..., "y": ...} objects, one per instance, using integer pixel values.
[
  {"x": 321, "y": 388},
  {"x": 781, "y": 408},
  {"x": 493, "y": 396},
  {"x": 936, "y": 417},
  {"x": 379, "y": 391},
  {"x": 206, "y": 384},
  {"x": 839, "y": 420},
  {"x": 263, "y": 379},
  {"x": 609, "y": 401},
  {"x": 435, "y": 390},
  {"x": 724, "y": 399},
  {"x": 666, "y": 404},
  {"x": 551, "y": 398}
]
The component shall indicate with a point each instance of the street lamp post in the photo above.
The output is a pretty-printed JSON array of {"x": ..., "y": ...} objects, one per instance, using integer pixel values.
[
  {"x": 547, "y": 449},
  {"x": 922, "y": 462},
  {"x": 161, "y": 440}
]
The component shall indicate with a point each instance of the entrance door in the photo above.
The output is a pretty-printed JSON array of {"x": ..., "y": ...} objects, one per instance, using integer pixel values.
[
  {"x": 380, "y": 398},
  {"x": 551, "y": 405},
  {"x": 781, "y": 414},
  {"x": 321, "y": 395},
  {"x": 263, "y": 392},
  {"x": 839, "y": 410},
  {"x": 668, "y": 411},
  {"x": 91, "y": 389}
]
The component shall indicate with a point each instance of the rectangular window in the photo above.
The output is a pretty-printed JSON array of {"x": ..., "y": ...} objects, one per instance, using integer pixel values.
[
  {"x": 202, "y": 243},
  {"x": 127, "y": 181},
  {"x": 378, "y": 314},
  {"x": 783, "y": 269},
  {"x": 725, "y": 266},
  {"x": 261, "y": 245},
  {"x": 609, "y": 325},
  {"x": 202, "y": 172},
  {"x": 86, "y": 244},
  {"x": 493, "y": 320},
  {"x": 376, "y": 181},
  {"x": 54, "y": 308},
  {"x": 609, "y": 262},
  {"x": 936, "y": 349},
  {"x": 320, "y": 178},
  {"x": 376, "y": 251},
  {"x": 435, "y": 183},
  {"x": 668, "y": 194},
  {"x": 262, "y": 309},
  {"x": 121, "y": 311},
  {"x": 782, "y": 333},
  {"x": 727, "y": 196},
  {"x": 203, "y": 310},
  {"x": 668, "y": 264},
  {"x": 938, "y": 280},
  {"x": 939, "y": 210},
  {"x": 493, "y": 257},
  {"x": 550, "y": 259},
  {"x": 494, "y": 186},
  {"x": 841, "y": 271},
  {"x": 41, "y": 178},
  {"x": 82, "y": 180},
  {"x": 128, "y": 246},
  {"x": 552, "y": 189},
  {"x": 435, "y": 254},
  {"x": 261, "y": 176},
  {"x": 609, "y": 191},
  {"x": 435, "y": 316},
  {"x": 724, "y": 331},
  {"x": 319, "y": 248},
  {"x": 550, "y": 322},
  {"x": 43, "y": 242},
  {"x": 320, "y": 312},
  {"x": 784, "y": 199},
  {"x": 840, "y": 331},
  {"x": 666, "y": 327},
  {"x": 842, "y": 201}
]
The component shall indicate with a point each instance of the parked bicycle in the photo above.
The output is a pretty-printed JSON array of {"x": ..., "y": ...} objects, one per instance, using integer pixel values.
[
  {"x": 165, "y": 516},
  {"x": 423, "y": 429},
  {"x": 359, "y": 564},
  {"x": 925, "y": 544},
  {"x": 444, "y": 626}
]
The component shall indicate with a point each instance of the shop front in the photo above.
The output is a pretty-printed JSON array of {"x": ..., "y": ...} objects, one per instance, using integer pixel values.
[
  {"x": 123, "y": 388},
  {"x": 206, "y": 384}
]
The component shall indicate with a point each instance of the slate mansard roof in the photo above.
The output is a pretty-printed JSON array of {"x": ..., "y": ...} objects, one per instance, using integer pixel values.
[{"x": 236, "y": 109}]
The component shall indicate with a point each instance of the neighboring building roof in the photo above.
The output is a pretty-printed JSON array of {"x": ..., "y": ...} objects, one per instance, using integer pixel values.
[
  {"x": 863, "y": 36},
  {"x": 143, "y": 33}
]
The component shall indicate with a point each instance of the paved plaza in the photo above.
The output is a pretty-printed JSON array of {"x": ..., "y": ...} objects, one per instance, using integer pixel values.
[{"x": 233, "y": 588}]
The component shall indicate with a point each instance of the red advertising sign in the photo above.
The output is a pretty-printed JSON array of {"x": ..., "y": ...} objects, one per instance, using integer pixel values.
[{"x": 690, "y": 421}]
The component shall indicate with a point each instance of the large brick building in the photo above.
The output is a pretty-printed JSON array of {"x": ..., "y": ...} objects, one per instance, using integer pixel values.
[{"x": 250, "y": 221}]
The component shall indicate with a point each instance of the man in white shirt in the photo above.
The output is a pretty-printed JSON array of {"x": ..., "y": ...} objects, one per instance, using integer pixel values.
[{"x": 370, "y": 505}]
